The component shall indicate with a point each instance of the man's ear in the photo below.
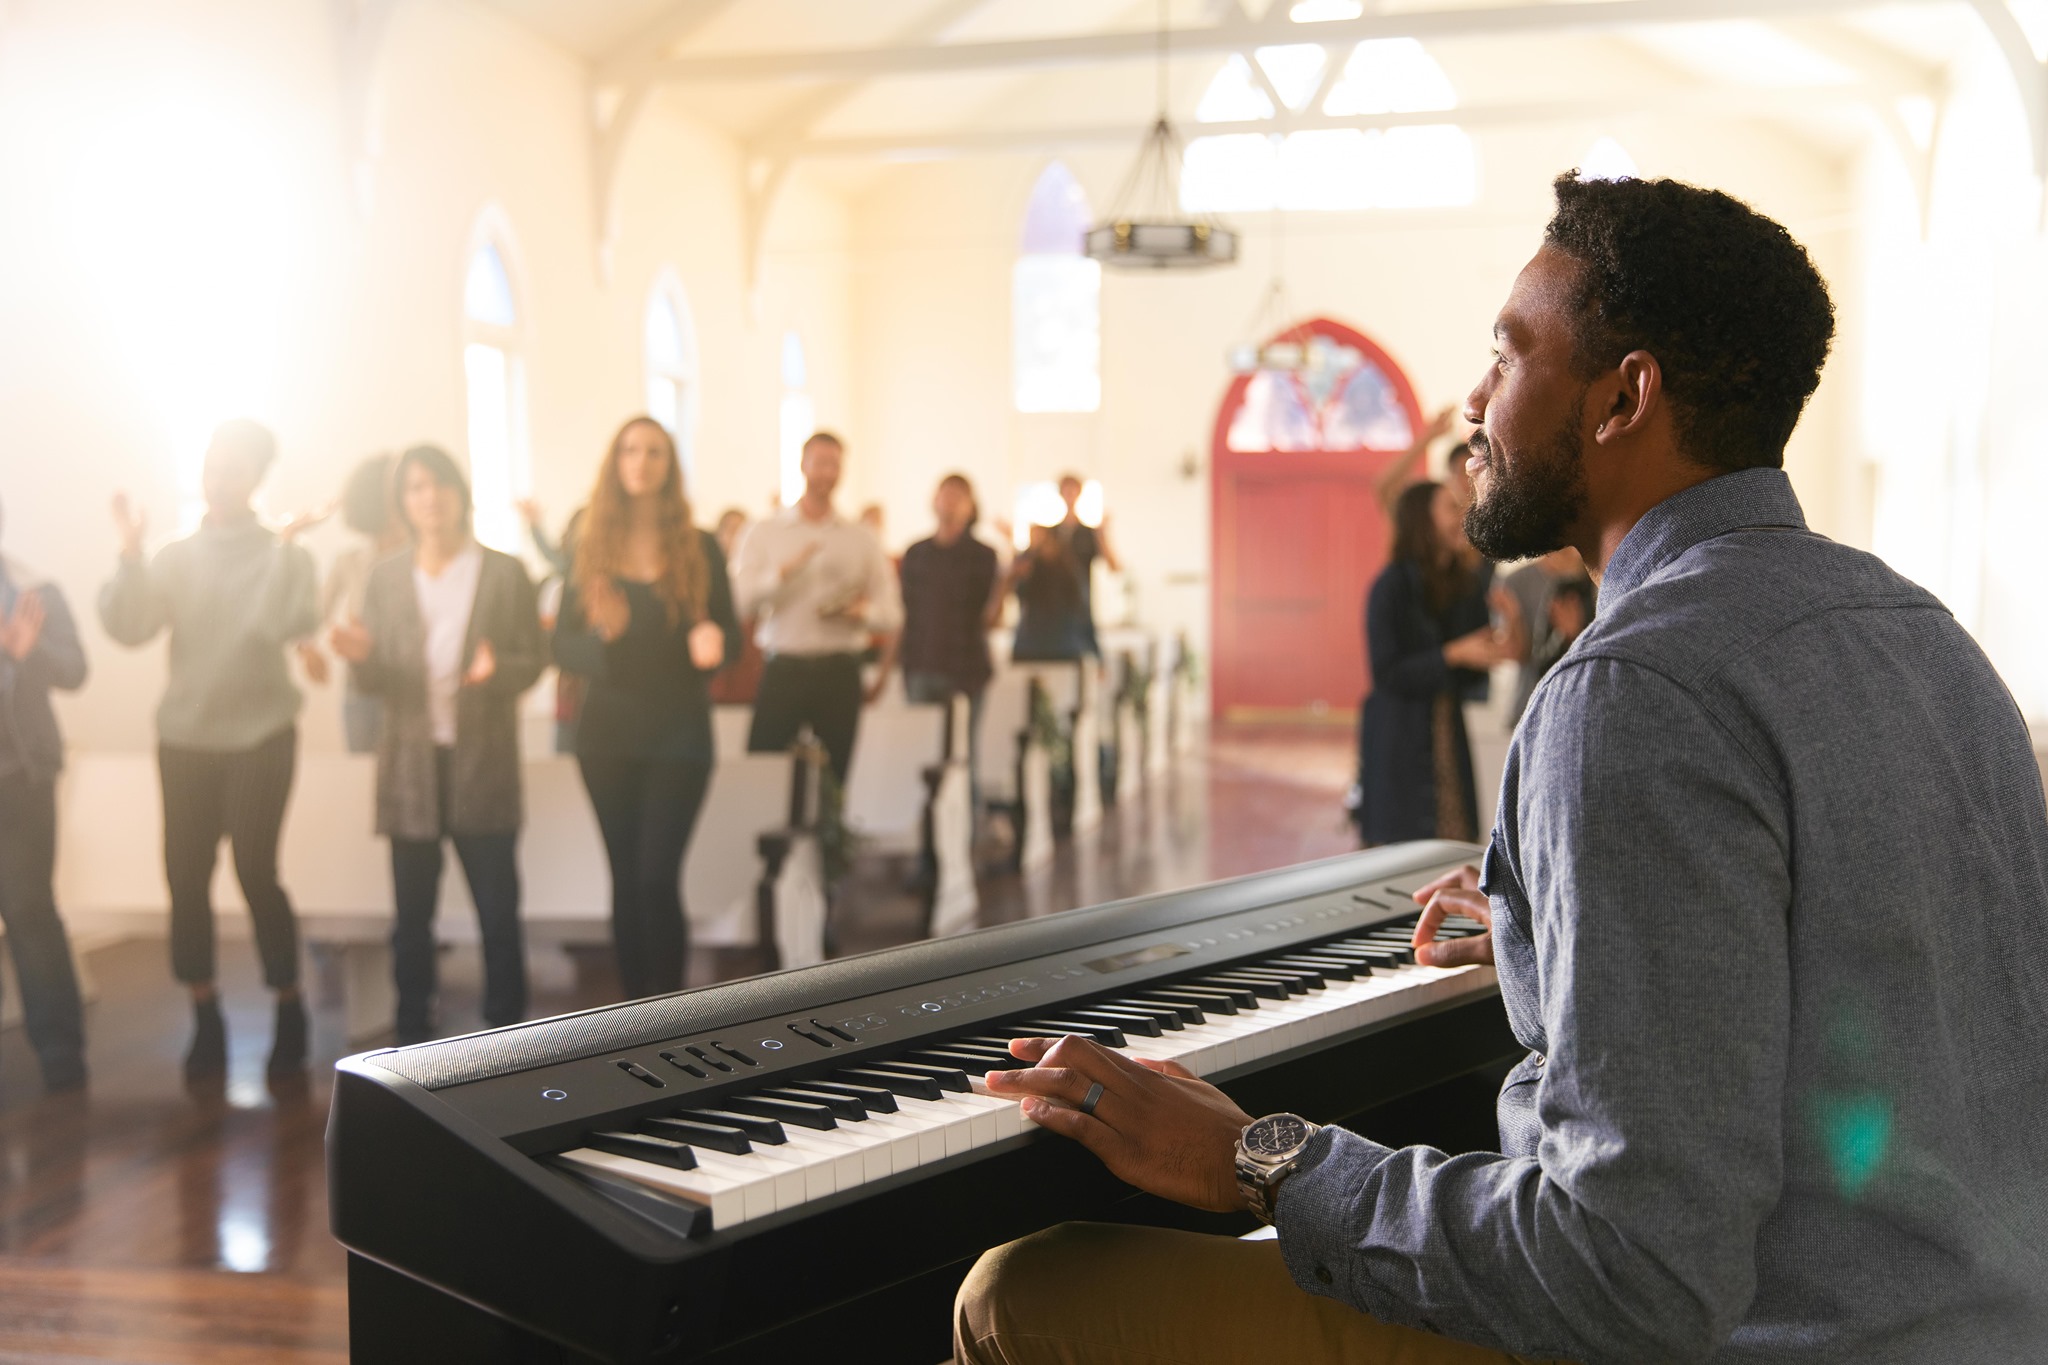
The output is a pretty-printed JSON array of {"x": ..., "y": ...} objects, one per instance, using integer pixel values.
[{"x": 1634, "y": 392}]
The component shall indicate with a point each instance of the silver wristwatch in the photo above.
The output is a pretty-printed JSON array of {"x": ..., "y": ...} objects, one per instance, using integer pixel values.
[{"x": 1268, "y": 1150}]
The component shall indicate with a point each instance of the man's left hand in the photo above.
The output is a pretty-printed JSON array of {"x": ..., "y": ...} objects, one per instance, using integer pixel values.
[{"x": 1155, "y": 1125}]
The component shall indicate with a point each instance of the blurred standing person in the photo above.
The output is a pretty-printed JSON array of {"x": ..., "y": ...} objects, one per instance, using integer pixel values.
[
  {"x": 1424, "y": 637},
  {"x": 560, "y": 557},
  {"x": 738, "y": 681},
  {"x": 1534, "y": 587},
  {"x": 1052, "y": 602},
  {"x": 39, "y": 650},
  {"x": 449, "y": 638},
  {"x": 234, "y": 597},
  {"x": 952, "y": 595},
  {"x": 823, "y": 591},
  {"x": 1084, "y": 545},
  {"x": 647, "y": 618},
  {"x": 367, "y": 509}
]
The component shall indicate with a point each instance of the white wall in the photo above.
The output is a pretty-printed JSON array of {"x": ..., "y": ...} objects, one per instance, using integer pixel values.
[
  {"x": 1948, "y": 419},
  {"x": 933, "y": 247},
  {"x": 184, "y": 237}
]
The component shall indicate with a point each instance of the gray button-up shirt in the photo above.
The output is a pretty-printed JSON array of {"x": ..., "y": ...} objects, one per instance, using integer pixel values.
[{"x": 1770, "y": 894}]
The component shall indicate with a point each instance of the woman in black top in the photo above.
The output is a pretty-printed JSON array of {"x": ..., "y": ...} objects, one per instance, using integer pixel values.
[
  {"x": 1427, "y": 635},
  {"x": 1052, "y": 607},
  {"x": 647, "y": 618}
]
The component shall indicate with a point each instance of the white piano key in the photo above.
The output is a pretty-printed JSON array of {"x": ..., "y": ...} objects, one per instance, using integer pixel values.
[{"x": 724, "y": 1196}]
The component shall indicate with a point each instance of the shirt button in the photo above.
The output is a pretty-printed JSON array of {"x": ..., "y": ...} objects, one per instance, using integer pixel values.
[
  {"x": 1541, "y": 1059},
  {"x": 1322, "y": 1274}
]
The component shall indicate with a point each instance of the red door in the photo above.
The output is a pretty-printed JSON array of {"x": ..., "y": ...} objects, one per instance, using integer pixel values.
[{"x": 1299, "y": 530}]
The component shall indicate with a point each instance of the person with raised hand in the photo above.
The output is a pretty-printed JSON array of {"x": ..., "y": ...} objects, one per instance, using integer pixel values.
[
  {"x": 235, "y": 597},
  {"x": 449, "y": 638}
]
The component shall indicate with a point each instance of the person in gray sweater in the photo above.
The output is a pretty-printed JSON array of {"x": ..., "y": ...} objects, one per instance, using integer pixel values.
[
  {"x": 234, "y": 597},
  {"x": 449, "y": 639}
]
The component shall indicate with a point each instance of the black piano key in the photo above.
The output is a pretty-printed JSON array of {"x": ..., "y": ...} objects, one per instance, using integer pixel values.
[
  {"x": 755, "y": 1126},
  {"x": 875, "y": 1099},
  {"x": 712, "y": 1137},
  {"x": 1269, "y": 990},
  {"x": 1287, "y": 986},
  {"x": 1001, "y": 1042},
  {"x": 1109, "y": 1035},
  {"x": 1167, "y": 1015},
  {"x": 1237, "y": 997},
  {"x": 1144, "y": 1025},
  {"x": 1368, "y": 957},
  {"x": 1307, "y": 977},
  {"x": 897, "y": 1082},
  {"x": 845, "y": 1108},
  {"x": 960, "y": 1047},
  {"x": 973, "y": 1063},
  {"x": 803, "y": 1115},
  {"x": 644, "y": 1147},
  {"x": 1186, "y": 1010},
  {"x": 1330, "y": 968},
  {"x": 949, "y": 1077}
]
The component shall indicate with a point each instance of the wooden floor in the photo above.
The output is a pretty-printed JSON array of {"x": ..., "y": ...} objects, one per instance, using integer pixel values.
[{"x": 144, "y": 1225}]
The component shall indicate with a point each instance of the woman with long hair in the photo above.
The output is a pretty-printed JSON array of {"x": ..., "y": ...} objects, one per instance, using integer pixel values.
[
  {"x": 647, "y": 618},
  {"x": 1427, "y": 633},
  {"x": 449, "y": 639}
]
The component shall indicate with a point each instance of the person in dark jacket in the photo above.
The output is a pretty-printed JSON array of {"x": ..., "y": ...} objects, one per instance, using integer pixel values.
[
  {"x": 450, "y": 638},
  {"x": 1427, "y": 633},
  {"x": 1052, "y": 608},
  {"x": 39, "y": 650},
  {"x": 235, "y": 597},
  {"x": 647, "y": 618}
]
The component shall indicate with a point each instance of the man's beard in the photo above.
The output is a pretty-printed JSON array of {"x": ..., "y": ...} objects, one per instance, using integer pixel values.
[{"x": 1528, "y": 506}]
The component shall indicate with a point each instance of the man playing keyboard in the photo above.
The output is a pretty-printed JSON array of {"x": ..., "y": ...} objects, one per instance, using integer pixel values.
[{"x": 1768, "y": 899}]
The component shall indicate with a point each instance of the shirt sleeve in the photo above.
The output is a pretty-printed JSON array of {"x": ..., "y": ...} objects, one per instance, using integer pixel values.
[
  {"x": 1653, "y": 849},
  {"x": 133, "y": 607},
  {"x": 718, "y": 603},
  {"x": 884, "y": 594},
  {"x": 1397, "y": 664},
  {"x": 58, "y": 660}
]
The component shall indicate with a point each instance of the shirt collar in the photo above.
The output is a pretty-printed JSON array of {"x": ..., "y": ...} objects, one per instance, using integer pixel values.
[{"x": 1727, "y": 502}]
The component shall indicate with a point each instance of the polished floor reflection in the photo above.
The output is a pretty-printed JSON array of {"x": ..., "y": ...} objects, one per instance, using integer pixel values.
[{"x": 144, "y": 1225}]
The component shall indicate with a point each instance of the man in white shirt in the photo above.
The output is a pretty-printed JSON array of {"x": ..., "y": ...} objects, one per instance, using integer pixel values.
[{"x": 824, "y": 592}]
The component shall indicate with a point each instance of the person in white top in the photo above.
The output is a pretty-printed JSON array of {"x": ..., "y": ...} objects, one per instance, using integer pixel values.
[{"x": 825, "y": 593}]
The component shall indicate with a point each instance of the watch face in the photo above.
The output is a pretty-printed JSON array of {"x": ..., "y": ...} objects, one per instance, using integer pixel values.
[{"x": 1276, "y": 1135}]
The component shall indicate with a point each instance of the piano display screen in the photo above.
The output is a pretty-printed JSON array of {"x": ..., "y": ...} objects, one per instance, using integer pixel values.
[{"x": 1158, "y": 952}]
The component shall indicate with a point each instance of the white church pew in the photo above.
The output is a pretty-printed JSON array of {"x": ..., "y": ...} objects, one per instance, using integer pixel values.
[
  {"x": 887, "y": 796},
  {"x": 755, "y": 872},
  {"x": 1015, "y": 770},
  {"x": 949, "y": 831}
]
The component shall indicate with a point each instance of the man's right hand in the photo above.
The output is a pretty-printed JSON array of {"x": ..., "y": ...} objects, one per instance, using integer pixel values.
[
  {"x": 1454, "y": 893},
  {"x": 132, "y": 523}
]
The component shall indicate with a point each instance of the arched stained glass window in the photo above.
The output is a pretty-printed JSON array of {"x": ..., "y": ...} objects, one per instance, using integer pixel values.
[
  {"x": 1056, "y": 302},
  {"x": 494, "y": 381},
  {"x": 1342, "y": 396}
]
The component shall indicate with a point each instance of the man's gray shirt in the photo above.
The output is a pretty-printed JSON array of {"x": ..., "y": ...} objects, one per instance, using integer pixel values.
[{"x": 1771, "y": 915}]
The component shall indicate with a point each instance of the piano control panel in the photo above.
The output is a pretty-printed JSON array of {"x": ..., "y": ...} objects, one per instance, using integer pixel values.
[{"x": 534, "y": 1109}]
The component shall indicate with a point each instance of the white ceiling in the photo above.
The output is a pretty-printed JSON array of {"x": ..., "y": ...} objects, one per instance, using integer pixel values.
[{"x": 1811, "y": 65}]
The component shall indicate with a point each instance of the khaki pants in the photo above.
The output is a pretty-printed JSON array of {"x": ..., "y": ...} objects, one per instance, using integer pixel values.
[{"x": 1099, "y": 1294}]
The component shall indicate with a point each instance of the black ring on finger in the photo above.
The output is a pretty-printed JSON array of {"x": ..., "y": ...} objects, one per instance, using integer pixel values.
[{"x": 1093, "y": 1097}]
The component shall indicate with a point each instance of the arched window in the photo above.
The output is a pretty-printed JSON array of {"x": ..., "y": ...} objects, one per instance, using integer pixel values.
[
  {"x": 1430, "y": 165},
  {"x": 1056, "y": 302},
  {"x": 1339, "y": 392},
  {"x": 670, "y": 337},
  {"x": 1607, "y": 159},
  {"x": 494, "y": 375},
  {"x": 799, "y": 416}
]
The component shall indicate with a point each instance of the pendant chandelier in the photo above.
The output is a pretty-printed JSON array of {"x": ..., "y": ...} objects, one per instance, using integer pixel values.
[{"x": 1147, "y": 229}]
